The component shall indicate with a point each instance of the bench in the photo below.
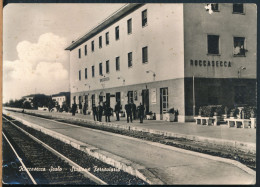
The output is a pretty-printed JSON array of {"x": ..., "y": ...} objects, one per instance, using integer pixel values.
[
  {"x": 235, "y": 122},
  {"x": 204, "y": 120}
]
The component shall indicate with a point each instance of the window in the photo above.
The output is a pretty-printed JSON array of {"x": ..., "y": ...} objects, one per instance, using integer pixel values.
[
  {"x": 130, "y": 95},
  {"x": 213, "y": 44},
  {"x": 117, "y": 32},
  {"x": 238, "y": 8},
  {"x": 107, "y": 38},
  {"x": 145, "y": 54},
  {"x": 129, "y": 26},
  {"x": 86, "y": 73},
  {"x": 100, "y": 41},
  {"x": 79, "y": 74},
  {"x": 117, "y": 64},
  {"x": 107, "y": 66},
  {"x": 214, "y": 7},
  {"x": 239, "y": 46},
  {"x": 93, "y": 71},
  {"x": 144, "y": 18},
  {"x": 93, "y": 100},
  {"x": 130, "y": 63},
  {"x": 79, "y": 53},
  {"x": 92, "y": 46},
  {"x": 100, "y": 69},
  {"x": 86, "y": 50}
]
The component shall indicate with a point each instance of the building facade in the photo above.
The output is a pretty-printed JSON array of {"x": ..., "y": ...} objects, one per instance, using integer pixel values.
[
  {"x": 165, "y": 56},
  {"x": 61, "y": 98}
]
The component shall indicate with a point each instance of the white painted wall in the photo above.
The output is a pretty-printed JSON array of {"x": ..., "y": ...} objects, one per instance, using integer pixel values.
[{"x": 163, "y": 35}]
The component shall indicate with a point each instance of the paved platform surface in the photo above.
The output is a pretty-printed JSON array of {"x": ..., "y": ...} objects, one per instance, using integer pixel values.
[
  {"x": 170, "y": 166},
  {"x": 246, "y": 135}
]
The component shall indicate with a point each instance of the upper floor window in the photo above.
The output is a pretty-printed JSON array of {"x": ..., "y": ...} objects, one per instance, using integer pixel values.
[
  {"x": 117, "y": 63},
  {"x": 238, "y": 8},
  {"x": 213, "y": 44},
  {"x": 239, "y": 46},
  {"x": 79, "y": 74},
  {"x": 214, "y": 7},
  {"x": 144, "y": 18},
  {"x": 86, "y": 50},
  {"x": 100, "y": 41},
  {"x": 145, "y": 54},
  {"x": 117, "y": 32},
  {"x": 107, "y": 66},
  {"x": 92, "y": 46},
  {"x": 107, "y": 38},
  {"x": 100, "y": 69},
  {"x": 93, "y": 71},
  {"x": 130, "y": 63},
  {"x": 129, "y": 26},
  {"x": 79, "y": 53},
  {"x": 86, "y": 73}
]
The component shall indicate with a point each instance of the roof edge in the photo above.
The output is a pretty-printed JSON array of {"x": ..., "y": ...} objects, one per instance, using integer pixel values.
[{"x": 117, "y": 15}]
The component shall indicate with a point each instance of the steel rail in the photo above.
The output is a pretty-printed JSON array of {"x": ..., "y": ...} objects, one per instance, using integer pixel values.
[
  {"x": 19, "y": 158},
  {"x": 81, "y": 170}
]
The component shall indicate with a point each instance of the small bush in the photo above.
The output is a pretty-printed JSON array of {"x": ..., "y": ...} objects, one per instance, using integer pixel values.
[{"x": 209, "y": 110}]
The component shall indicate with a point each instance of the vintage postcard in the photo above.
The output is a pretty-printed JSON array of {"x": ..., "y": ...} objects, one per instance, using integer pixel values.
[{"x": 129, "y": 94}]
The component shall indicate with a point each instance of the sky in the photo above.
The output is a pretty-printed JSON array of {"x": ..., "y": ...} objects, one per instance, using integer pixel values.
[{"x": 34, "y": 39}]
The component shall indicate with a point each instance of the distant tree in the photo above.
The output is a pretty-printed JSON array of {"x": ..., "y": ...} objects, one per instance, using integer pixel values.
[
  {"x": 27, "y": 105},
  {"x": 40, "y": 101}
]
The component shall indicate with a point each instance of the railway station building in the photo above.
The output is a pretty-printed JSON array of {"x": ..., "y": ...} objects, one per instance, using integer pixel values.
[{"x": 179, "y": 56}]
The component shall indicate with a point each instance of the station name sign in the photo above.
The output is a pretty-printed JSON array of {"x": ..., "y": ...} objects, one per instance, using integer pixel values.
[
  {"x": 210, "y": 63},
  {"x": 104, "y": 79}
]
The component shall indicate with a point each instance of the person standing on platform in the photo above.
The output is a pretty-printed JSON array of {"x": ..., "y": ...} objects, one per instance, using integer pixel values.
[
  {"x": 85, "y": 108},
  {"x": 107, "y": 112},
  {"x": 134, "y": 110},
  {"x": 100, "y": 112},
  {"x": 80, "y": 108},
  {"x": 128, "y": 110},
  {"x": 118, "y": 108},
  {"x": 73, "y": 109},
  {"x": 94, "y": 110},
  {"x": 141, "y": 112}
]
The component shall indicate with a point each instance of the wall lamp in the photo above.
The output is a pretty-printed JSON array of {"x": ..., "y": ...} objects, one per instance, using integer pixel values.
[
  {"x": 150, "y": 71},
  {"x": 239, "y": 71}
]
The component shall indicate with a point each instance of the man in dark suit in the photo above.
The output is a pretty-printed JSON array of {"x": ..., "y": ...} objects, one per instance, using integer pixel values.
[
  {"x": 118, "y": 108},
  {"x": 94, "y": 110},
  {"x": 128, "y": 109},
  {"x": 141, "y": 112},
  {"x": 100, "y": 112}
]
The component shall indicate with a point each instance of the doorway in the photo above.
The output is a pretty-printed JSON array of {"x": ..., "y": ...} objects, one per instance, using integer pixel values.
[
  {"x": 118, "y": 97},
  {"x": 145, "y": 100},
  {"x": 164, "y": 104},
  {"x": 108, "y": 99}
]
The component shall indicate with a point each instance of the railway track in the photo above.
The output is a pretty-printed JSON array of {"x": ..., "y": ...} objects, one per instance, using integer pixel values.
[{"x": 45, "y": 160}]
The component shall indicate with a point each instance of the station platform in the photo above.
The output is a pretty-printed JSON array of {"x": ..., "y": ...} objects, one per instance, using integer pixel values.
[{"x": 187, "y": 129}]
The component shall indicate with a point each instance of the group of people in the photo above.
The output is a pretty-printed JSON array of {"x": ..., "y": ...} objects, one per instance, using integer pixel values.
[
  {"x": 98, "y": 112},
  {"x": 104, "y": 107},
  {"x": 130, "y": 109}
]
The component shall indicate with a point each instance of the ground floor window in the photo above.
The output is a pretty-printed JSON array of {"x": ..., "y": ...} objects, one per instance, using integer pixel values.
[
  {"x": 86, "y": 99},
  {"x": 130, "y": 97},
  {"x": 93, "y": 100},
  {"x": 213, "y": 94},
  {"x": 240, "y": 93},
  {"x": 164, "y": 102},
  {"x": 118, "y": 97}
]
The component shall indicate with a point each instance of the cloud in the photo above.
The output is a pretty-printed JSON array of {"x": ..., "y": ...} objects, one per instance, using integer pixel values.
[{"x": 42, "y": 67}]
